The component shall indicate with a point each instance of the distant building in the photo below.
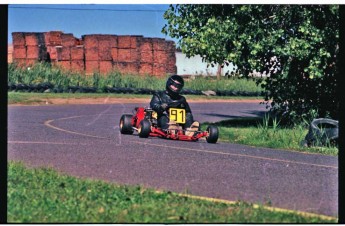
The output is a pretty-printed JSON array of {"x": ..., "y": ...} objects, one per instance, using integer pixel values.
[{"x": 195, "y": 66}]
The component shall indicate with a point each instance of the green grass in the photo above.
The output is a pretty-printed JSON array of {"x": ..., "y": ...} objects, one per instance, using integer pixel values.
[
  {"x": 43, "y": 73},
  {"x": 30, "y": 98},
  {"x": 44, "y": 196},
  {"x": 37, "y": 98},
  {"x": 266, "y": 132}
]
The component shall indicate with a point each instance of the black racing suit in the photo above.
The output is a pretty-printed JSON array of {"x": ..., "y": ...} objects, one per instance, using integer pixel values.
[{"x": 163, "y": 97}]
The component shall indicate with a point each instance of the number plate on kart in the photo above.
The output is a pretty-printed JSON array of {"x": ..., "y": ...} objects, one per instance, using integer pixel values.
[{"x": 178, "y": 115}]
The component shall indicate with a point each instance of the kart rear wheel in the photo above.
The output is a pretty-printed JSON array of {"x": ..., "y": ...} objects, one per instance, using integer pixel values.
[
  {"x": 212, "y": 134},
  {"x": 144, "y": 128},
  {"x": 126, "y": 125}
]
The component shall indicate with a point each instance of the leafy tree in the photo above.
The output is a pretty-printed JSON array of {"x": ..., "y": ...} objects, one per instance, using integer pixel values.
[{"x": 295, "y": 45}]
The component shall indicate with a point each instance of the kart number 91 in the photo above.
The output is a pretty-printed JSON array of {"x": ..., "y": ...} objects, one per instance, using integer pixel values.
[{"x": 178, "y": 115}]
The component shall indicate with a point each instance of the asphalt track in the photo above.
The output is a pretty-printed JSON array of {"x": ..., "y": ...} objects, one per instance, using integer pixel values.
[{"x": 84, "y": 141}]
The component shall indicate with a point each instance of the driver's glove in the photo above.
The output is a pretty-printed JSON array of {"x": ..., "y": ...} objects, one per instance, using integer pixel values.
[{"x": 164, "y": 106}]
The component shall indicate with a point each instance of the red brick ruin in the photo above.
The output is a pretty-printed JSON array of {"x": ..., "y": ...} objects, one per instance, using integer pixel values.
[{"x": 96, "y": 53}]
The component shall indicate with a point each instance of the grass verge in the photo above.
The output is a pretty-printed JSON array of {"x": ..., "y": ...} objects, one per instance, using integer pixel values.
[
  {"x": 42, "y": 98},
  {"x": 45, "y": 196},
  {"x": 263, "y": 132},
  {"x": 44, "y": 73}
]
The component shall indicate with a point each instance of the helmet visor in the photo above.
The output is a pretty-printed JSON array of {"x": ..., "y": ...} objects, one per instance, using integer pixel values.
[{"x": 175, "y": 87}]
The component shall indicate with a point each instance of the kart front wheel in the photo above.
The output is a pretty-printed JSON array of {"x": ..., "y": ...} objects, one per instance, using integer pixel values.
[
  {"x": 212, "y": 134},
  {"x": 144, "y": 129},
  {"x": 126, "y": 125}
]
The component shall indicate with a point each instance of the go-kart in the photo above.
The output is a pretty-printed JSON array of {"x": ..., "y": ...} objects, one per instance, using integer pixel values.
[{"x": 144, "y": 121}]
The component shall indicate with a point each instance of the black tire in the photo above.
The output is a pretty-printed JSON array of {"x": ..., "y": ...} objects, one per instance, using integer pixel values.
[
  {"x": 144, "y": 128},
  {"x": 321, "y": 131},
  {"x": 212, "y": 134},
  {"x": 125, "y": 124}
]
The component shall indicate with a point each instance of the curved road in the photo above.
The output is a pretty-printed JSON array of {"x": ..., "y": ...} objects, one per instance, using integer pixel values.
[{"x": 84, "y": 141}]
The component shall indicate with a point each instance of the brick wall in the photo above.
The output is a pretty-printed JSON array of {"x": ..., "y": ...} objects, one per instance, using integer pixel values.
[
  {"x": 9, "y": 53},
  {"x": 96, "y": 53}
]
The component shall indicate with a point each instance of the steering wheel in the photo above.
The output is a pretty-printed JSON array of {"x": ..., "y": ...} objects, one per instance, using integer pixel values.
[{"x": 174, "y": 104}]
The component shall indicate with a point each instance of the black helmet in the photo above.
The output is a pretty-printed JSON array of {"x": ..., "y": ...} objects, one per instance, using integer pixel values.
[{"x": 174, "y": 84}]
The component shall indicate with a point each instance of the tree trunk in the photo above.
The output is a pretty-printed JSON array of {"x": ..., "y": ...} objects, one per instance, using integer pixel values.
[{"x": 219, "y": 71}]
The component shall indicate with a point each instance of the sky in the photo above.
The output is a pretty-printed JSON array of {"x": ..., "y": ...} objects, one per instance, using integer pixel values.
[{"x": 82, "y": 19}]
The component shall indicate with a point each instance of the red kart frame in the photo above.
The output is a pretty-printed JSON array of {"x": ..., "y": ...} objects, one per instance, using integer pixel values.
[{"x": 146, "y": 125}]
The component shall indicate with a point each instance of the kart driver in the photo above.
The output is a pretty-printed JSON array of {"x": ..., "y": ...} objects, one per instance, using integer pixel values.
[{"x": 161, "y": 100}]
